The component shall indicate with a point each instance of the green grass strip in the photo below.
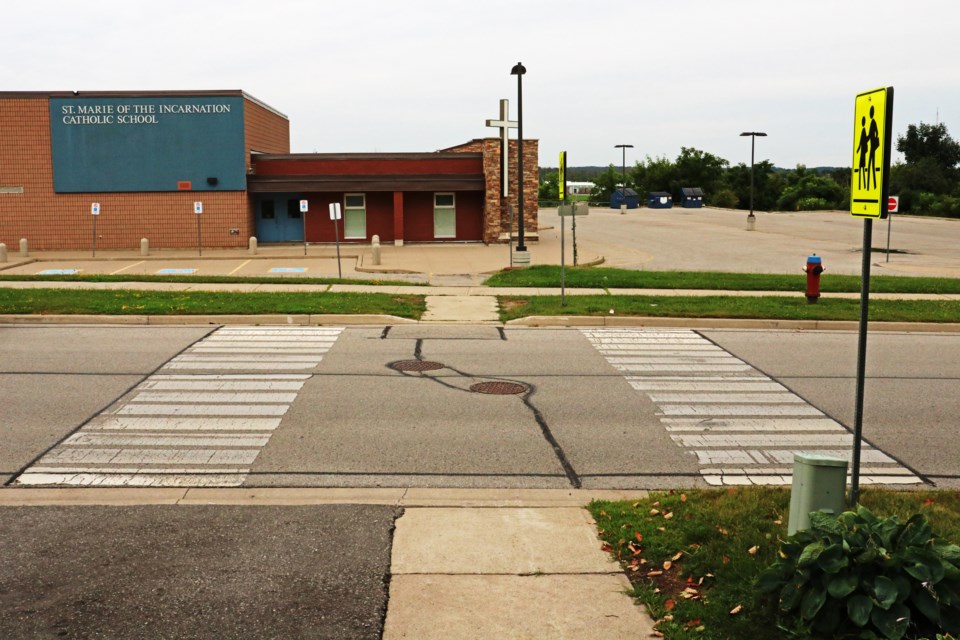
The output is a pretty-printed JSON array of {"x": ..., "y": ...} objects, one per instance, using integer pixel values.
[
  {"x": 608, "y": 278},
  {"x": 713, "y": 531},
  {"x": 132, "y": 302},
  {"x": 205, "y": 279},
  {"x": 758, "y": 307}
]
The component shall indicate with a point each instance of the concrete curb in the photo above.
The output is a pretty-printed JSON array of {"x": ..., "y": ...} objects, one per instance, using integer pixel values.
[
  {"x": 319, "y": 319},
  {"x": 399, "y": 497},
  {"x": 728, "y": 323}
]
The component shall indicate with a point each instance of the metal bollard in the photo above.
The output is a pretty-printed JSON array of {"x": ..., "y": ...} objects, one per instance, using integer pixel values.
[
  {"x": 3, "y": 252},
  {"x": 24, "y": 249},
  {"x": 376, "y": 249},
  {"x": 252, "y": 244},
  {"x": 144, "y": 247}
]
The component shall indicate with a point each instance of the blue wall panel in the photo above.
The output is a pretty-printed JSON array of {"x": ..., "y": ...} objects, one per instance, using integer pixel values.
[{"x": 147, "y": 144}]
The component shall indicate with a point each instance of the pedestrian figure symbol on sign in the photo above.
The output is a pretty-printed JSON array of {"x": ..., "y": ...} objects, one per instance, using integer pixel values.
[
  {"x": 862, "y": 150},
  {"x": 874, "y": 137}
]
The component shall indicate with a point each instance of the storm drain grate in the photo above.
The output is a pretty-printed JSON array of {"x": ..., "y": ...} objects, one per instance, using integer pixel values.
[
  {"x": 416, "y": 365},
  {"x": 498, "y": 388}
]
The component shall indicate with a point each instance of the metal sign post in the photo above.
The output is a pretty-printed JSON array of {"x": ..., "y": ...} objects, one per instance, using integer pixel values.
[
  {"x": 893, "y": 206},
  {"x": 869, "y": 184},
  {"x": 198, "y": 209},
  {"x": 95, "y": 211},
  {"x": 336, "y": 215},
  {"x": 562, "y": 184},
  {"x": 304, "y": 206}
]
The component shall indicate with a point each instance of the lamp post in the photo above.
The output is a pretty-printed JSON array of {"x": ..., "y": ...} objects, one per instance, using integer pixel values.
[
  {"x": 752, "y": 219},
  {"x": 623, "y": 203},
  {"x": 518, "y": 70}
]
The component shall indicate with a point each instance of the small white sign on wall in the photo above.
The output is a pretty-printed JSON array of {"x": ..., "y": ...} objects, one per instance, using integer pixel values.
[{"x": 198, "y": 208}]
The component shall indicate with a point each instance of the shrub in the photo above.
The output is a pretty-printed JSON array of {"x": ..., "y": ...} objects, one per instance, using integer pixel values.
[
  {"x": 812, "y": 204},
  {"x": 861, "y": 576},
  {"x": 724, "y": 198}
]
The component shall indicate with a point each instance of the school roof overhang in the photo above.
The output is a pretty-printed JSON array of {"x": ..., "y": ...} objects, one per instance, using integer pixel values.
[{"x": 364, "y": 183}]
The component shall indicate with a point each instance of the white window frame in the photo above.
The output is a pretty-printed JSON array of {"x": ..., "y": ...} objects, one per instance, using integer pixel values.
[
  {"x": 452, "y": 207},
  {"x": 347, "y": 209}
]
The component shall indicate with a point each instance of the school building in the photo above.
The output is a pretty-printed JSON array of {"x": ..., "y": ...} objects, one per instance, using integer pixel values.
[{"x": 147, "y": 157}]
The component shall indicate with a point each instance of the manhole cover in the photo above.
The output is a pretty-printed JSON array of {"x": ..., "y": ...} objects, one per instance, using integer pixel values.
[
  {"x": 498, "y": 388},
  {"x": 416, "y": 365}
]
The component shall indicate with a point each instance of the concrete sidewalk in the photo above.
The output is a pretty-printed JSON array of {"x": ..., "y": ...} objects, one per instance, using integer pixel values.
[{"x": 465, "y": 563}]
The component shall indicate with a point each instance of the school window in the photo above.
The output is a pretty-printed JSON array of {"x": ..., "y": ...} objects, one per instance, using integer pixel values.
[
  {"x": 293, "y": 209},
  {"x": 355, "y": 216},
  {"x": 266, "y": 210},
  {"x": 444, "y": 215}
]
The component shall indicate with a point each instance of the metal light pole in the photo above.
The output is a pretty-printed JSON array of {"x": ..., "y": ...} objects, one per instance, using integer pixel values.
[
  {"x": 518, "y": 70},
  {"x": 752, "y": 219},
  {"x": 623, "y": 203}
]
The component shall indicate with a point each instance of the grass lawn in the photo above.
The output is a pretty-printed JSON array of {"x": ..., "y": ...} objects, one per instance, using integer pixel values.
[
  {"x": 131, "y": 302},
  {"x": 762, "y": 307},
  {"x": 607, "y": 278},
  {"x": 693, "y": 556},
  {"x": 201, "y": 279}
]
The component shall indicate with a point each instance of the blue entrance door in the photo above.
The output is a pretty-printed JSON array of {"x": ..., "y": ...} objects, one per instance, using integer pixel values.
[{"x": 279, "y": 218}]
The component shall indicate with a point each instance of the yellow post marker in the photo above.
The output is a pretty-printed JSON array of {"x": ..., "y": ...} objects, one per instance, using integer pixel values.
[{"x": 871, "y": 153}]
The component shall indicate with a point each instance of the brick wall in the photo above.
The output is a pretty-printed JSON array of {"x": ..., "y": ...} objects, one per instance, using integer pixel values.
[
  {"x": 496, "y": 208},
  {"x": 63, "y": 221}
]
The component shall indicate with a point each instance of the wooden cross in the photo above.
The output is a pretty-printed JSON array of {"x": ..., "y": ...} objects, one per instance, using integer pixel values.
[{"x": 504, "y": 124}]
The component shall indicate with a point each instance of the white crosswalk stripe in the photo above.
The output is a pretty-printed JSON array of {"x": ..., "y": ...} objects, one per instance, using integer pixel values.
[
  {"x": 743, "y": 427},
  {"x": 202, "y": 429}
]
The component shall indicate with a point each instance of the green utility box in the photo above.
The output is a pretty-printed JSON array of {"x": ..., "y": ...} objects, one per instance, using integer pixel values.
[{"x": 819, "y": 484}]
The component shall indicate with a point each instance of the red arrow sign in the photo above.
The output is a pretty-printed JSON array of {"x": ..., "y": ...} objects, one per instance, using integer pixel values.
[{"x": 893, "y": 204}]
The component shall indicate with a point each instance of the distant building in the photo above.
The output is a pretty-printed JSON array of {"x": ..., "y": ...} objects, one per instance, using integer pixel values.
[{"x": 580, "y": 188}]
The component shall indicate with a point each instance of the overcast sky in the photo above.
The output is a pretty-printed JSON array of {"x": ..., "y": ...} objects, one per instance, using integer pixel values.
[{"x": 421, "y": 75}]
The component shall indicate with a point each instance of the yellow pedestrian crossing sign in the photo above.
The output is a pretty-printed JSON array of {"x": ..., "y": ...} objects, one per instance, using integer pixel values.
[{"x": 873, "y": 115}]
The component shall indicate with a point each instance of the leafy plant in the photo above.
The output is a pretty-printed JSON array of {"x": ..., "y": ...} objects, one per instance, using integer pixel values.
[{"x": 860, "y": 576}]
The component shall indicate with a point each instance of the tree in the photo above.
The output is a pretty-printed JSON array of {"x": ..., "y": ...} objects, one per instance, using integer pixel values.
[
  {"x": 549, "y": 189},
  {"x": 930, "y": 141},
  {"x": 606, "y": 183},
  {"x": 654, "y": 174},
  {"x": 696, "y": 168},
  {"x": 767, "y": 185}
]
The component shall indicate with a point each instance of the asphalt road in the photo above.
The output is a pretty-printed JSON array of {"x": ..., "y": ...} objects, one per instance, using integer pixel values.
[
  {"x": 194, "y": 572},
  {"x": 353, "y": 419}
]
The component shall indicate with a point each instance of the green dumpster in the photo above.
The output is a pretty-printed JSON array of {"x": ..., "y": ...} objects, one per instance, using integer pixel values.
[{"x": 819, "y": 484}]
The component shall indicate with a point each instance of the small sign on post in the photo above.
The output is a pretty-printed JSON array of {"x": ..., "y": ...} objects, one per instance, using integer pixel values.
[
  {"x": 304, "y": 207},
  {"x": 335, "y": 214},
  {"x": 95, "y": 211},
  {"x": 198, "y": 209}
]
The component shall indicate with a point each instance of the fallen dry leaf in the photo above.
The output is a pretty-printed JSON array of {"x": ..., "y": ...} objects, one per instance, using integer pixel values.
[
  {"x": 678, "y": 556},
  {"x": 667, "y": 516},
  {"x": 666, "y": 565},
  {"x": 683, "y": 497},
  {"x": 657, "y": 503},
  {"x": 654, "y": 512},
  {"x": 737, "y": 609},
  {"x": 722, "y": 530},
  {"x": 753, "y": 550},
  {"x": 669, "y": 604},
  {"x": 778, "y": 521},
  {"x": 638, "y": 536},
  {"x": 726, "y": 559},
  {"x": 654, "y": 573},
  {"x": 661, "y": 529},
  {"x": 606, "y": 548}
]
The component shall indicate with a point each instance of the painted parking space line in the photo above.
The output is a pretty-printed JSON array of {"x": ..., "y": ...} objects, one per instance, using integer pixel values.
[
  {"x": 242, "y": 265},
  {"x": 742, "y": 426},
  {"x": 129, "y": 266},
  {"x": 201, "y": 429}
]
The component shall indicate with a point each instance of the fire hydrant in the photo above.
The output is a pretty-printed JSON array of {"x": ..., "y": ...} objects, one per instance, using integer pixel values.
[{"x": 813, "y": 269}]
